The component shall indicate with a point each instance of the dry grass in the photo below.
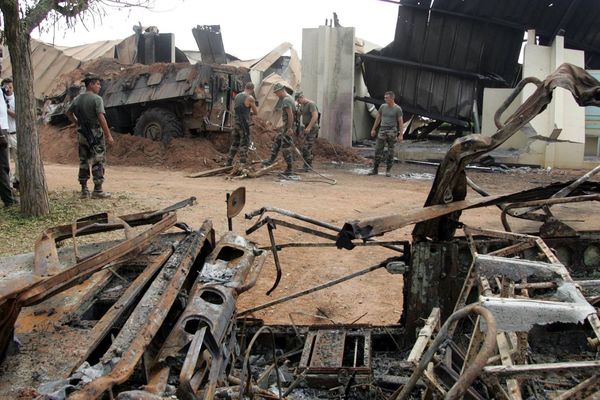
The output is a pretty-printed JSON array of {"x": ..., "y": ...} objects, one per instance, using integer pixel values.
[{"x": 18, "y": 233}]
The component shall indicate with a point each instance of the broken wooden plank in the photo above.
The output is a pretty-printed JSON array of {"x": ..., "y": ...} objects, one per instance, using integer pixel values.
[{"x": 211, "y": 172}]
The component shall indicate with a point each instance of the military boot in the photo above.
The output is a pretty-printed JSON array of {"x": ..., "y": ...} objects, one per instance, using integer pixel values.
[
  {"x": 266, "y": 163},
  {"x": 229, "y": 162},
  {"x": 388, "y": 171},
  {"x": 288, "y": 171},
  {"x": 98, "y": 193},
  {"x": 306, "y": 167},
  {"x": 85, "y": 193},
  {"x": 375, "y": 170}
]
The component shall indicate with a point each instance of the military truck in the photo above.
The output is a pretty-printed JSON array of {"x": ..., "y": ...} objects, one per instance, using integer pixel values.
[
  {"x": 163, "y": 101},
  {"x": 167, "y": 100}
]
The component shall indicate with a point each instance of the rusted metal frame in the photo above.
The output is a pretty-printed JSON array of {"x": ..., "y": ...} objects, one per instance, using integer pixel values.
[
  {"x": 152, "y": 310},
  {"x": 514, "y": 390},
  {"x": 123, "y": 304},
  {"x": 275, "y": 222},
  {"x": 424, "y": 336},
  {"x": 403, "y": 243},
  {"x": 261, "y": 211},
  {"x": 313, "y": 289},
  {"x": 186, "y": 382},
  {"x": 512, "y": 249},
  {"x": 584, "y": 389},
  {"x": 46, "y": 255},
  {"x": 379, "y": 225},
  {"x": 254, "y": 274},
  {"x": 454, "y": 376},
  {"x": 529, "y": 215},
  {"x": 530, "y": 371},
  {"x": 450, "y": 184},
  {"x": 500, "y": 234},
  {"x": 562, "y": 193},
  {"x": 58, "y": 282},
  {"x": 467, "y": 377},
  {"x": 48, "y": 287}
]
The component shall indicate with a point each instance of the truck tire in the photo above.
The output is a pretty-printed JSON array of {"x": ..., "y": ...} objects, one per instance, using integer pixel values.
[{"x": 158, "y": 124}]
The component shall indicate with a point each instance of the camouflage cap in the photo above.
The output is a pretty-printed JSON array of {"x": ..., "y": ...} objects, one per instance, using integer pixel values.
[
  {"x": 90, "y": 76},
  {"x": 278, "y": 86},
  {"x": 298, "y": 95}
]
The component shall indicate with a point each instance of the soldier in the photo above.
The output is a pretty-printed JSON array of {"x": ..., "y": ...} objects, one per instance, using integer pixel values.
[
  {"x": 310, "y": 120},
  {"x": 240, "y": 136},
  {"x": 87, "y": 111},
  {"x": 392, "y": 127},
  {"x": 284, "y": 138}
]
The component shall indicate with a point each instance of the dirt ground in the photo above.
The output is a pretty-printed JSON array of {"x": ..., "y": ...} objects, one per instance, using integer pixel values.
[{"x": 375, "y": 298}]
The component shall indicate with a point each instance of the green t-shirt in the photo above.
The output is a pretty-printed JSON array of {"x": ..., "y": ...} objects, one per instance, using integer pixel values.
[
  {"x": 87, "y": 106},
  {"x": 285, "y": 102},
  {"x": 389, "y": 116},
  {"x": 306, "y": 110}
]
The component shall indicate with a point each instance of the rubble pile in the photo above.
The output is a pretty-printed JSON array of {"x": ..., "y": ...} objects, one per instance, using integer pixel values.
[{"x": 59, "y": 145}]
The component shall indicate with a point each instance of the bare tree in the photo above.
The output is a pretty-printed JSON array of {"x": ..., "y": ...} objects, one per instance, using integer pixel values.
[{"x": 21, "y": 17}]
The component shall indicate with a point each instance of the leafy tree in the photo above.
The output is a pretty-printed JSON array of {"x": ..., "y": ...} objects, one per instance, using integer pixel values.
[{"x": 21, "y": 17}]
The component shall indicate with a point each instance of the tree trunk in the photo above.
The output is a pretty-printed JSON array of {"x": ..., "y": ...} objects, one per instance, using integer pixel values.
[{"x": 33, "y": 188}]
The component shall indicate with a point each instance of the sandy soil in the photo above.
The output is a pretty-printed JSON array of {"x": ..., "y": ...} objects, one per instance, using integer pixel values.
[{"x": 377, "y": 296}]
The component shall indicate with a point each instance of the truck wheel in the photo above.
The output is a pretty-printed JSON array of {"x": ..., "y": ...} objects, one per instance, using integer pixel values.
[{"x": 158, "y": 124}]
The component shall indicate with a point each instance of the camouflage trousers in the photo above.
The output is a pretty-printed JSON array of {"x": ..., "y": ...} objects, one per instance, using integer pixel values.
[
  {"x": 385, "y": 137},
  {"x": 309, "y": 142},
  {"x": 284, "y": 142},
  {"x": 92, "y": 155},
  {"x": 240, "y": 139}
]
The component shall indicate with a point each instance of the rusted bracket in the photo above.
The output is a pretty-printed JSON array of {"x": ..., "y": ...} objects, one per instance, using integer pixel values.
[
  {"x": 149, "y": 314},
  {"x": 271, "y": 226}
]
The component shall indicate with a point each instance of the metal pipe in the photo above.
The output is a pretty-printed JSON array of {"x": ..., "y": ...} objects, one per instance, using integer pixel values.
[
  {"x": 476, "y": 366},
  {"x": 512, "y": 97},
  {"x": 313, "y": 289}
]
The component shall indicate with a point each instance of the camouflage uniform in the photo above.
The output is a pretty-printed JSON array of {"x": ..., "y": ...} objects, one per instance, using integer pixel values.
[
  {"x": 94, "y": 155},
  {"x": 306, "y": 111},
  {"x": 387, "y": 135},
  {"x": 240, "y": 136},
  {"x": 283, "y": 139},
  {"x": 86, "y": 107}
]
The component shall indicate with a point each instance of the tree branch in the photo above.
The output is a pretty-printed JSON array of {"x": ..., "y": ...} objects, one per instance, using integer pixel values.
[{"x": 38, "y": 13}]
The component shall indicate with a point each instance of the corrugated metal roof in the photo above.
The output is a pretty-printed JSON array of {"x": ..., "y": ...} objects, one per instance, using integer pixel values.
[
  {"x": 92, "y": 51},
  {"x": 446, "y": 51},
  {"x": 50, "y": 62}
]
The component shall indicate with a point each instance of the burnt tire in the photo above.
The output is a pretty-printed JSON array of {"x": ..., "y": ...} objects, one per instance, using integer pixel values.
[{"x": 158, "y": 124}]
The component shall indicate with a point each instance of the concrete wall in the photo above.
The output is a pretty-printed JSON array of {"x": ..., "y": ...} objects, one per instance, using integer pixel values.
[
  {"x": 562, "y": 113},
  {"x": 328, "y": 79}
]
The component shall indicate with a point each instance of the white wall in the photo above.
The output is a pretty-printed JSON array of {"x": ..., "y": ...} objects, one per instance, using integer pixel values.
[
  {"x": 562, "y": 113},
  {"x": 328, "y": 79}
]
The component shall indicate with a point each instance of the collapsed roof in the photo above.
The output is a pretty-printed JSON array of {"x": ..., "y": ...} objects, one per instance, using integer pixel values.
[{"x": 446, "y": 51}]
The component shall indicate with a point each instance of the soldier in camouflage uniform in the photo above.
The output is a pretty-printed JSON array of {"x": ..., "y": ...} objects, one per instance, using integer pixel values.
[
  {"x": 310, "y": 119},
  {"x": 284, "y": 138},
  {"x": 87, "y": 111},
  {"x": 240, "y": 136},
  {"x": 391, "y": 130}
]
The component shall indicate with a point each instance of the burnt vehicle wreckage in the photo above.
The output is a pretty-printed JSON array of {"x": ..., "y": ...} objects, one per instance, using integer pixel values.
[{"x": 487, "y": 314}]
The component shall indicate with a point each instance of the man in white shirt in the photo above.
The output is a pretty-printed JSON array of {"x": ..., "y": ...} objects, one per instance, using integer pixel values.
[
  {"x": 5, "y": 190},
  {"x": 9, "y": 96}
]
